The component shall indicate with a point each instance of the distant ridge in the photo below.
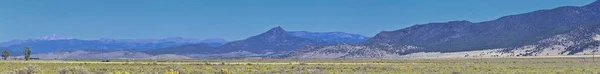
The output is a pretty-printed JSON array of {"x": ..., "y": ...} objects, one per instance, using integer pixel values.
[
  {"x": 333, "y": 37},
  {"x": 56, "y": 43},
  {"x": 507, "y": 32},
  {"x": 276, "y": 42},
  {"x": 567, "y": 30}
]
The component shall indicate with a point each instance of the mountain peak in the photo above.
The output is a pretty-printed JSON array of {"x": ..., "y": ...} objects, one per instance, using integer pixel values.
[
  {"x": 278, "y": 28},
  {"x": 594, "y": 4},
  {"x": 275, "y": 30}
]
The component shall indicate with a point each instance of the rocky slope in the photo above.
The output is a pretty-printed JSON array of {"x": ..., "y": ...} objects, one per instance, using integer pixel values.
[
  {"x": 568, "y": 29},
  {"x": 354, "y": 51},
  {"x": 583, "y": 40}
]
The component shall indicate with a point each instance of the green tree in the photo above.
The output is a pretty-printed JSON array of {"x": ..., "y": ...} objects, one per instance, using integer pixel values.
[
  {"x": 5, "y": 54},
  {"x": 27, "y": 53}
]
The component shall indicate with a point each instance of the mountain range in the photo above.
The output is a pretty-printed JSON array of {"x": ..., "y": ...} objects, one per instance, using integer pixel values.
[
  {"x": 179, "y": 45},
  {"x": 567, "y": 30},
  {"x": 276, "y": 42},
  {"x": 55, "y": 43}
]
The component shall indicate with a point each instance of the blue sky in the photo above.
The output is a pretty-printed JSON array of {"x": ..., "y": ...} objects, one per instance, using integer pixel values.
[{"x": 239, "y": 19}]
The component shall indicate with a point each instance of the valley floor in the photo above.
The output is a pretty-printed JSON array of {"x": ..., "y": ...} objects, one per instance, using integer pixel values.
[{"x": 528, "y": 65}]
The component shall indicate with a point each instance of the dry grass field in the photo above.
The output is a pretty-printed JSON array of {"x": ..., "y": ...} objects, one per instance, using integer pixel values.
[{"x": 530, "y": 65}]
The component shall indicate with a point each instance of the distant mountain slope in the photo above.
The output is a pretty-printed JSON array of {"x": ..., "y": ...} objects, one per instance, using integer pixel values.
[
  {"x": 583, "y": 40},
  {"x": 50, "y": 44},
  {"x": 333, "y": 37},
  {"x": 164, "y": 40},
  {"x": 274, "y": 41},
  {"x": 506, "y": 32},
  {"x": 354, "y": 51},
  {"x": 509, "y": 31},
  {"x": 185, "y": 49},
  {"x": 43, "y": 38}
]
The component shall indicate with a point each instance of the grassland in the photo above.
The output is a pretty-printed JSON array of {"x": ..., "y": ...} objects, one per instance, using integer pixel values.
[{"x": 570, "y": 65}]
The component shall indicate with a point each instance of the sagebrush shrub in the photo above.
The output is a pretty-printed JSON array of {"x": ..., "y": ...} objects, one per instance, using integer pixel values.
[{"x": 27, "y": 70}]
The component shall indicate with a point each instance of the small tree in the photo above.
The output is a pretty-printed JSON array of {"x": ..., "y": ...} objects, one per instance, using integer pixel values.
[
  {"x": 27, "y": 53},
  {"x": 5, "y": 54}
]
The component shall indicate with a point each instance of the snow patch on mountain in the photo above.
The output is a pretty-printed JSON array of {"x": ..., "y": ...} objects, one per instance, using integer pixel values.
[{"x": 54, "y": 37}]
